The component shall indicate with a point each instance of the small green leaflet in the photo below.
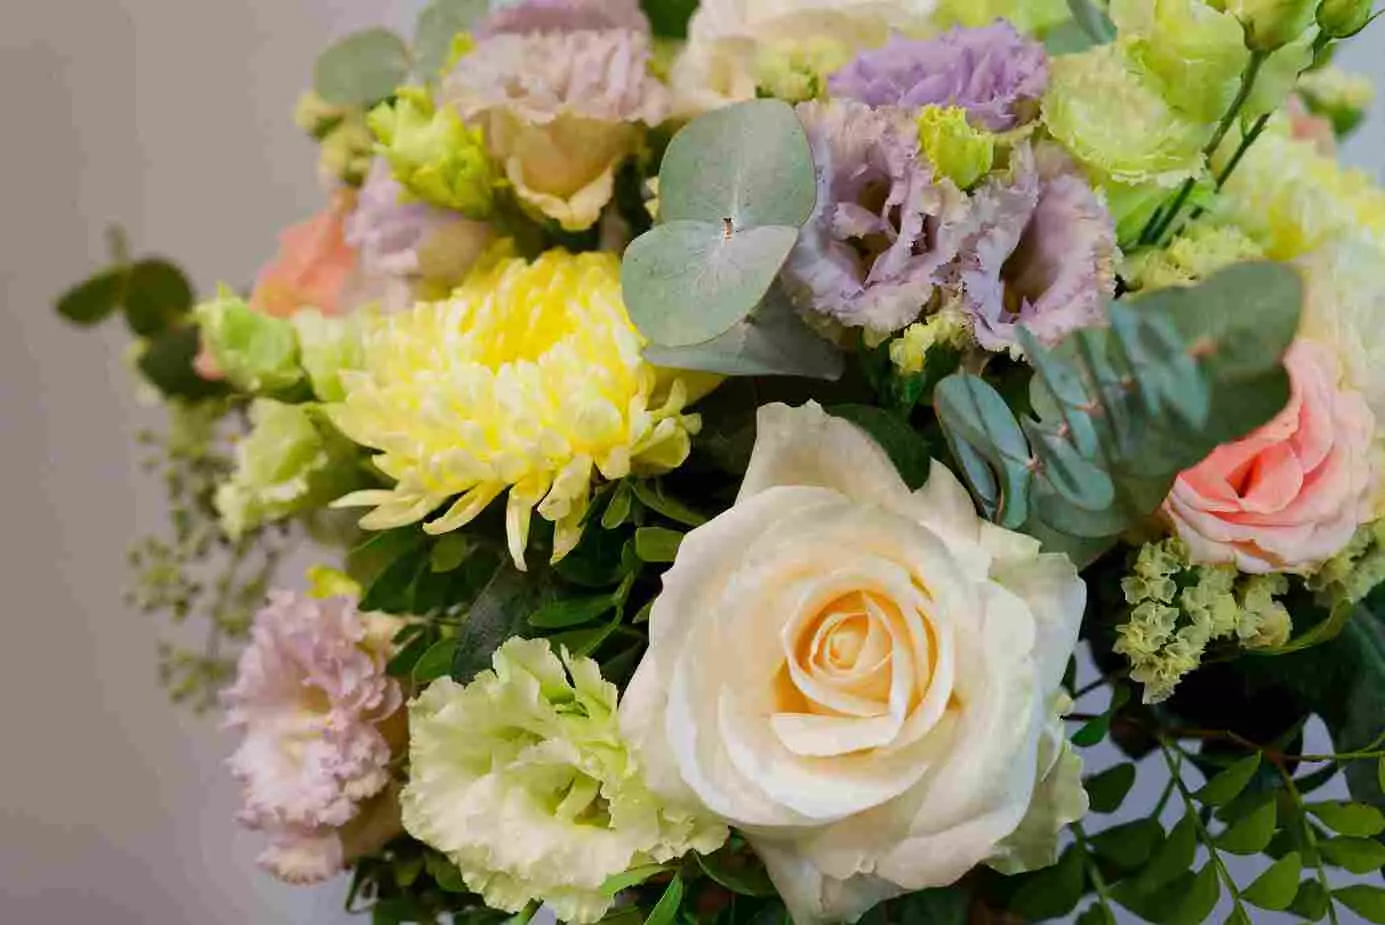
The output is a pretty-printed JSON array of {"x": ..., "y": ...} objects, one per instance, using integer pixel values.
[
  {"x": 666, "y": 910},
  {"x": 657, "y": 545},
  {"x": 1107, "y": 789},
  {"x": 1354, "y": 819},
  {"x": 1227, "y": 785},
  {"x": 1276, "y": 888}
]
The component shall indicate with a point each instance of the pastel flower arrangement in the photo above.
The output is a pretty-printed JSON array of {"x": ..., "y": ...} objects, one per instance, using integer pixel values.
[{"x": 762, "y": 448}]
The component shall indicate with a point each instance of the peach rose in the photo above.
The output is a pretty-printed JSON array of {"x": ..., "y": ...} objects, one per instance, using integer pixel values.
[
  {"x": 313, "y": 266},
  {"x": 1290, "y": 495}
]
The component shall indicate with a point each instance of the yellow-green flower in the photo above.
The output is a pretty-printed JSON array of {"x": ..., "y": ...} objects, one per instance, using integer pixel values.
[
  {"x": 433, "y": 155},
  {"x": 796, "y": 70},
  {"x": 1112, "y": 116},
  {"x": 254, "y": 351},
  {"x": 1195, "y": 254},
  {"x": 1195, "y": 51},
  {"x": 1030, "y": 16},
  {"x": 523, "y": 780},
  {"x": 956, "y": 150},
  {"x": 909, "y": 351},
  {"x": 327, "y": 345},
  {"x": 528, "y": 379},
  {"x": 1272, "y": 24}
]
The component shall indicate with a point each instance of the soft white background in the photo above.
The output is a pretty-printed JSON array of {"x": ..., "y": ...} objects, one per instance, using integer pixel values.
[{"x": 171, "y": 117}]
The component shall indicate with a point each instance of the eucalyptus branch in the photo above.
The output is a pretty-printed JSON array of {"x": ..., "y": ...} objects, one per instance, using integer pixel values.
[{"x": 1201, "y": 828}]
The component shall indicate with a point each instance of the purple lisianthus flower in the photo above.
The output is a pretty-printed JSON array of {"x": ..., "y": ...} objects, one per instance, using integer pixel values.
[
  {"x": 882, "y": 232},
  {"x": 564, "y": 16},
  {"x": 1040, "y": 252},
  {"x": 993, "y": 72}
]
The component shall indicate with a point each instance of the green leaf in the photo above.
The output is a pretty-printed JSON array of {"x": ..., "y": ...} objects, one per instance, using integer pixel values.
[
  {"x": 633, "y": 877},
  {"x": 656, "y": 544},
  {"x": 1107, "y": 789},
  {"x": 773, "y": 341},
  {"x": 362, "y": 69},
  {"x": 1355, "y": 819},
  {"x": 572, "y": 611},
  {"x": 583, "y": 641},
  {"x": 1093, "y": 20},
  {"x": 167, "y": 363},
  {"x": 93, "y": 300},
  {"x": 1358, "y": 855},
  {"x": 1096, "y": 914},
  {"x": 1311, "y": 901},
  {"x": 1380, "y": 773},
  {"x": 1227, "y": 785},
  {"x": 437, "y": 25},
  {"x": 449, "y": 552},
  {"x": 988, "y": 442},
  {"x": 156, "y": 296},
  {"x": 688, "y": 282},
  {"x": 1197, "y": 903},
  {"x": 1092, "y": 731},
  {"x": 1067, "y": 38},
  {"x": 444, "y": 872},
  {"x": 1253, "y": 833},
  {"x": 1053, "y": 892},
  {"x": 666, "y": 910},
  {"x": 668, "y": 19},
  {"x": 496, "y": 615},
  {"x": 1128, "y": 846},
  {"x": 1238, "y": 916},
  {"x": 740, "y": 872},
  {"x": 1276, "y": 888},
  {"x": 1365, "y": 900},
  {"x": 435, "y": 663},
  {"x": 618, "y": 509},
  {"x": 652, "y": 496},
  {"x": 1174, "y": 857},
  {"x": 403, "y": 662},
  {"x": 906, "y": 447}
]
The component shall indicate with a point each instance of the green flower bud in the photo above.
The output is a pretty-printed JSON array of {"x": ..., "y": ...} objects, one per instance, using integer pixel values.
[
  {"x": 1272, "y": 24},
  {"x": 1340, "y": 19},
  {"x": 327, "y": 346},
  {"x": 957, "y": 151},
  {"x": 797, "y": 71},
  {"x": 347, "y": 151},
  {"x": 291, "y": 461},
  {"x": 433, "y": 155},
  {"x": 318, "y": 117},
  {"x": 256, "y": 352}
]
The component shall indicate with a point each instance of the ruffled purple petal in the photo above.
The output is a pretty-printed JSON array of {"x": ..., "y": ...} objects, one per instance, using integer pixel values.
[{"x": 993, "y": 72}]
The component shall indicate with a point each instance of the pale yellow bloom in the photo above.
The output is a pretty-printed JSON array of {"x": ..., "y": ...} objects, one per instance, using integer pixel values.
[{"x": 528, "y": 379}]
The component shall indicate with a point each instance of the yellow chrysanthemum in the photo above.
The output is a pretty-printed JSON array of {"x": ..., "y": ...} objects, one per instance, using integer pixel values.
[{"x": 529, "y": 378}]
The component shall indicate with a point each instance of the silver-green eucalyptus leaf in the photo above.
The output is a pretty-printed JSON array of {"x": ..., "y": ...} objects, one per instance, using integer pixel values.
[
  {"x": 438, "y": 24},
  {"x": 363, "y": 68}
]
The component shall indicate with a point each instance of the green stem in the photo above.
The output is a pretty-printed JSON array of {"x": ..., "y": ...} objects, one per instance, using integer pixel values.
[
  {"x": 1312, "y": 839},
  {"x": 1160, "y": 225},
  {"x": 1104, "y": 679},
  {"x": 1250, "y": 138},
  {"x": 1103, "y": 893},
  {"x": 1164, "y": 798},
  {"x": 1203, "y": 835}
]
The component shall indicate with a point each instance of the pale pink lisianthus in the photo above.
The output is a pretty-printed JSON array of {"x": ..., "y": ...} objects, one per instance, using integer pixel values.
[
  {"x": 1290, "y": 495},
  {"x": 313, "y": 267},
  {"x": 321, "y": 719}
]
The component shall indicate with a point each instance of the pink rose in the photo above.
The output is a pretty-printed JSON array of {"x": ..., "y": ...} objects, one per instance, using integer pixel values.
[
  {"x": 313, "y": 266},
  {"x": 1290, "y": 495}
]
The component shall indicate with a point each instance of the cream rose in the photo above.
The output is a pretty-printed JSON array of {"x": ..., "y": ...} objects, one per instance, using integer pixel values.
[{"x": 863, "y": 679}]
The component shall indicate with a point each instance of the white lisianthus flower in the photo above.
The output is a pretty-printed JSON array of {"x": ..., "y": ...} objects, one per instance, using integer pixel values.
[
  {"x": 522, "y": 779},
  {"x": 864, "y": 679},
  {"x": 726, "y": 37},
  {"x": 1344, "y": 308}
]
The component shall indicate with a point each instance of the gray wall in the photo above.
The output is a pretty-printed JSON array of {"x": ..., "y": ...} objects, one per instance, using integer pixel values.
[{"x": 173, "y": 118}]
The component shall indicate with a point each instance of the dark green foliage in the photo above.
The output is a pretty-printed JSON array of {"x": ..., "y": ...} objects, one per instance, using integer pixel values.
[
  {"x": 907, "y": 449},
  {"x": 1108, "y": 789},
  {"x": 669, "y": 18}
]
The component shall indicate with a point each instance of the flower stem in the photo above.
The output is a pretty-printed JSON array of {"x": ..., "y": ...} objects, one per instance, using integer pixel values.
[
  {"x": 1312, "y": 841},
  {"x": 1203, "y": 835},
  {"x": 1103, "y": 895}
]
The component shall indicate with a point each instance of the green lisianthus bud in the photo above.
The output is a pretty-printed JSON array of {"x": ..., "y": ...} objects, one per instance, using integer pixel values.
[
  {"x": 291, "y": 461},
  {"x": 433, "y": 155},
  {"x": 1272, "y": 24},
  {"x": 255, "y": 352},
  {"x": 347, "y": 151},
  {"x": 1340, "y": 19},
  {"x": 327, "y": 346},
  {"x": 318, "y": 117},
  {"x": 956, "y": 150},
  {"x": 797, "y": 70}
]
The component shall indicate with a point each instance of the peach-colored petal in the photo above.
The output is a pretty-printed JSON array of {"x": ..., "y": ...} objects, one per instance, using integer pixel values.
[
  {"x": 313, "y": 266},
  {"x": 1290, "y": 495}
]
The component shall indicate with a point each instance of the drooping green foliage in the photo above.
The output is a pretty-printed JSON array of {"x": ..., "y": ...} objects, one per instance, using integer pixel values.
[{"x": 1117, "y": 412}]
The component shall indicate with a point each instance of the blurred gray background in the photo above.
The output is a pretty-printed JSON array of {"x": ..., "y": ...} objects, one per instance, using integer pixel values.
[{"x": 173, "y": 118}]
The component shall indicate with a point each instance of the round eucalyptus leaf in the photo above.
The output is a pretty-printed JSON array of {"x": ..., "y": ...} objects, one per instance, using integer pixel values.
[
  {"x": 688, "y": 282},
  {"x": 979, "y": 423},
  {"x": 749, "y": 163},
  {"x": 157, "y": 294},
  {"x": 437, "y": 25},
  {"x": 363, "y": 68}
]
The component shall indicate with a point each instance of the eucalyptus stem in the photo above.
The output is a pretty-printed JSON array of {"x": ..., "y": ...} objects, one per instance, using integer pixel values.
[
  {"x": 1311, "y": 838},
  {"x": 1203, "y": 835},
  {"x": 1160, "y": 224}
]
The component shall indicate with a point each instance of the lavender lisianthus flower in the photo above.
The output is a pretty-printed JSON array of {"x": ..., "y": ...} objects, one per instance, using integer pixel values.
[
  {"x": 883, "y": 228},
  {"x": 564, "y": 16},
  {"x": 1040, "y": 251},
  {"x": 993, "y": 72},
  {"x": 402, "y": 244}
]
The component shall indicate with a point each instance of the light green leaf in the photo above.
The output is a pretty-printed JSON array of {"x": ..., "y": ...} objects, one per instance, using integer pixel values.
[
  {"x": 665, "y": 912},
  {"x": 656, "y": 544},
  {"x": 1311, "y": 901},
  {"x": 1227, "y": 785},
  {"x": 773, "y": 341},
  {"x": 439, "y": 22},
  {"x": 1276, "y": 888},
  {"x": 618, "y": 509},
  {"x": 1358, "y": 855},
  {"x": 1196, "y": 905},
  {"x": 688, "y": 282},
  {"x": 1251, "y": 834},
  {"x": 739, "y": 872},
  {"x": 749, "y": 163},
  {"x": 572, "y": 611},
  {"x": 1107, "y": 789},
  {"x": 449, "y": 552},
  {"x": 1355, "y": 819},
  {"x": 1096, "y": 914},
  {"x": 1380, "y": 773},
  {"x": 361, "y": 69},
  {"x": 1363, "y": 899},
  {"x": 1130, "y": 845},
  {"x": 1092, "y": 19},
  {"x": 632, "y": 877}
]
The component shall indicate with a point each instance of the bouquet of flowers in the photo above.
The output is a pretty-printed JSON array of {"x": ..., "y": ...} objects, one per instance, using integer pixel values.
[{"x": 758, "y": 449}]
